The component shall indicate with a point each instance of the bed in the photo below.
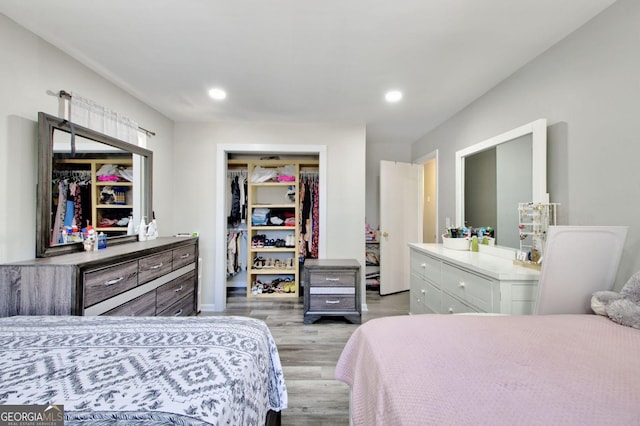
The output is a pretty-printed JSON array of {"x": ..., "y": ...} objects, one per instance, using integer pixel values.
[
  {"x": 492, "y": 370},
  {"x": 143, "y": 370}
]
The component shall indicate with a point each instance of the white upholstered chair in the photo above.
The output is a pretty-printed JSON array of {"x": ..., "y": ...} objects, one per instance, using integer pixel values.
[{"x": 578, "y": 260}]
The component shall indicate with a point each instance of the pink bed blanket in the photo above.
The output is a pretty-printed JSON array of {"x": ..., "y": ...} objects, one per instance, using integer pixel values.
[{"x": 493, "y": 370}]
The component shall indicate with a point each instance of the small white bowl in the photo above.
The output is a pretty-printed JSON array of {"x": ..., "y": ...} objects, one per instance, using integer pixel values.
[{"x": 456, "y": 243}]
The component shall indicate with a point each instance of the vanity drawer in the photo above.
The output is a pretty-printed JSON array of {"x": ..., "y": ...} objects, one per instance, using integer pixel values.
[
  {"x": 474, "y": 289},
  {"x": 152, "y": 267},
  {"x": 332, "y": 302},
  {"x": 142, "y": 306},
  {"x": 332, "y": 278},
  {"x": 182, "y": 308},
  {"x": 425, "y": 266},
  {"x": 452, "y": 305},
  {"x": 183, "y": 256},
  {"x": 171, "y": 292},
  {"x": 104, "y": 283}
]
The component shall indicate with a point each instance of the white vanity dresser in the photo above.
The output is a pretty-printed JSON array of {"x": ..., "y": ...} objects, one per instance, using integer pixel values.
[{"x": 453, "y": 281}]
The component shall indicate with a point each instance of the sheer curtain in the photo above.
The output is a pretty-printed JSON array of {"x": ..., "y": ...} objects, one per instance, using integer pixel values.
[{"x": 87, "y": 113}]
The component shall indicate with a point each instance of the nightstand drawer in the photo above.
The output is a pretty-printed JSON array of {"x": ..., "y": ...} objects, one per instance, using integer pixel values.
[
  {"x": 332, "y": 302},
  {"x": 108, "y": 282},
  {"x": 152, "y": 267},
  {"x": 332, "y": 278}
]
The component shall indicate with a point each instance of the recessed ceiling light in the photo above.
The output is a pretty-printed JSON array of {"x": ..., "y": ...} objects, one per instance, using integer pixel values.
[
  {"x": 393, "y": 96},
  {"x": 217, "y": 94}
]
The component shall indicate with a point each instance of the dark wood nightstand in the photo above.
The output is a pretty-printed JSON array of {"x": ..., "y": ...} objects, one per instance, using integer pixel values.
[{"x": 332, "y": 288}]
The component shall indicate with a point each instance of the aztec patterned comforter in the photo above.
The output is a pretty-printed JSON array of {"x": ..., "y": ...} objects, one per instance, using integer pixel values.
[{"x": 151, "y": 370}]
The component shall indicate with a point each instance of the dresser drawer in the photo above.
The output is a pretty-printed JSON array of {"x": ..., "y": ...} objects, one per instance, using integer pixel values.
[
  {"x": 332, "y": 302},
  {"x": 425, "y": 266},
  {"x": 332, "y": 278},
  {"x": 152, "y": 267},
  {"x": 183, "y": 256},
  {"x": 169, "y": 293},
  {"x": 469, "y": 287},
  {"x": 452, "y": 305},
  {"x": 182, "y": 308},
  {"x": 104, "y": 283},
  {"x": 142, "y": 306},
  {"x": 424, "y": 293}
]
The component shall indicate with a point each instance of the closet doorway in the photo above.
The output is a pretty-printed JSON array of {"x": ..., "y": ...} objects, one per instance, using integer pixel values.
[{"x": 224, "y": 151}]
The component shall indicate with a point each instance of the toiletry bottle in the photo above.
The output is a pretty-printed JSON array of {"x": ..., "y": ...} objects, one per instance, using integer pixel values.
[
  {"x": 474, "y": 243},
  {"x": 130, "y": 230},
  {"x": 152, "y": 230},
  {"x": 142, "y": 230}
]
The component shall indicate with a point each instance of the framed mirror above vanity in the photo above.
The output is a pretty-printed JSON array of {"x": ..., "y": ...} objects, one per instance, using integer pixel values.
[
  {"x": 494, "y": 175},
  {"x": 87, "y": 178}
]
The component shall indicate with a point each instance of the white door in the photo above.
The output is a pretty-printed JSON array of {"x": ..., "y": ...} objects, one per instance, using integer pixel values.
[{"x": 401, "y": 203}]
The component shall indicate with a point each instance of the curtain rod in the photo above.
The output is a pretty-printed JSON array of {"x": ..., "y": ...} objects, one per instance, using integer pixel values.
[{"x": 65, "y": 94}]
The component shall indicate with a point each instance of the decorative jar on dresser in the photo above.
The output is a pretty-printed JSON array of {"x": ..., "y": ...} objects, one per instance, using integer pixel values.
[
  {"x": 332, "y": 289},
  {"x": 454, "y": 281},
  {"x": 146, "y": 278}
]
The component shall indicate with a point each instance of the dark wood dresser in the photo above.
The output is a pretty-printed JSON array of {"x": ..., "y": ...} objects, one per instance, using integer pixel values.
[
  {"x": 146, "y": 278},
  {"x": 332, "y": 289}
]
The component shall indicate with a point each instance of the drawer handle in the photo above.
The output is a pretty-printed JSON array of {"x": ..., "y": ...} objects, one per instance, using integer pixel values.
[
  {"x": 423, "y": 265},
  {"x": 332, "y": 279},
  {"x": 177, "y": 314},
  {"x": 461, "y": 284},
  {"x": 179, "y": 289},
  {"x": 112, "y": 282},
  {"x": 159, "y": 265},
  {"x": 331, "y": 302},
  {"x": 184, "y": 256},
  {"x": 450, "y": 310},
  {"x": 423, "y": 291}
]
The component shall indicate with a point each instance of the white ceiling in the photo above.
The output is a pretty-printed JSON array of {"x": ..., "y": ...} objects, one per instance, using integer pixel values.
[{"x": 306, "y": 61}]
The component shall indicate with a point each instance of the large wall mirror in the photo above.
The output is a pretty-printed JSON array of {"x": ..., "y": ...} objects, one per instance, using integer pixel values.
[
  {"x": 87, "y": 178},
  {"x": 494, "y": 175}
]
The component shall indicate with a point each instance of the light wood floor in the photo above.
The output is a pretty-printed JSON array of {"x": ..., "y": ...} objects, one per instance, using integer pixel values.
[{"x": 309, "y": 352}]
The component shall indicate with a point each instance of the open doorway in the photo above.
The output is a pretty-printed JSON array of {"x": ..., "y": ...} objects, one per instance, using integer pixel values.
[{"x": 222, "y": 155}]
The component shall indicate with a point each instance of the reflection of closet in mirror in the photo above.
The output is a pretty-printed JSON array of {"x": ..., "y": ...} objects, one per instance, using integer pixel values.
[
  {"x": 86, "y": 177},
  {"x": 494, "y": 175},
  {"x": 96, "y": 192}
]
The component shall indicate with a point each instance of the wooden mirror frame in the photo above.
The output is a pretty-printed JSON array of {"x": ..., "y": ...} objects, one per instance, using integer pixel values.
[{"x": 47, "y": 124}]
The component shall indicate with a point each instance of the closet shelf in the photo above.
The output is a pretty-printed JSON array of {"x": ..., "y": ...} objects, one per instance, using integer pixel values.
[
  {"x": 272, "y": 250},
  {"x": 114, "y": 206},
  {"x": 293, "y": 183},
  {"x": 274, "y": 206},
  {"x": 115, "y": 183},
  {"x": 274, "y": 227}
]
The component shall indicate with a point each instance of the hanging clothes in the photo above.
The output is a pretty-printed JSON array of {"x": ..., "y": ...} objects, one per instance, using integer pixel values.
[
  {"x": 309, "y": 215},
  {"x": 235, "y": 245},
  {"x": 237, "y": 197}
]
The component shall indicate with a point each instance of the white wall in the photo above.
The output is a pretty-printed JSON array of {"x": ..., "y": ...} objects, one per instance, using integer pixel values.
[
  {"x": 30, "y": 68},
  {"x": 587, "y": 88},
  {"x": 195, "y": 158}
]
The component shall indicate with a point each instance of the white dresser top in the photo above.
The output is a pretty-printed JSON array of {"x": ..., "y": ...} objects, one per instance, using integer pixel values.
[{"x": 484, "y": 263}]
